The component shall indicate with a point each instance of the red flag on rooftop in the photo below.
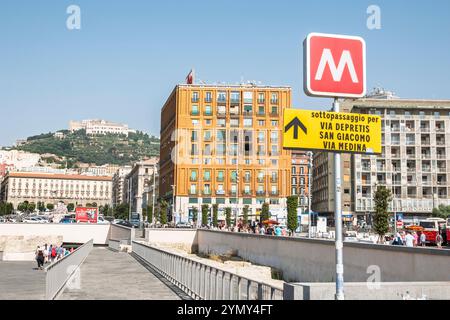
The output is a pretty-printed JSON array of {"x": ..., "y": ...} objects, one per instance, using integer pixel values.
[{"x": 190, "y": 77}]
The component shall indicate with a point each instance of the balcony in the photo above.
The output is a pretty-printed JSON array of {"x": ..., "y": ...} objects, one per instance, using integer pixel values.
[
  {"x": 247, "y": 192},
  {"x": 260, "y": 193},
  {"x": 233, "y": 193},
  {"x": 220, "y": 192},
  {"x": 221, "y": 100},
  {"x": 274, "y": 101},
  {"x": 208, "y": 100},
  {"x": 261, "y": 113},
  {"x": 274, "y": 113},
  {"x": 274, "y": 193},
  {"x": 220, "y": 179},
  {"x": 193, "y": 179},
  {"x": 261, "y": 101},
  {"x": 235, "y": 101},
  {"x": 248, "y": 180},
  {"x": 193, "y": 192},
  {"x": 194, "y": 99},
  {"x": 260, "y": 180},
  {"x": 274, "y": 180},
  {"x": 206, "y": 192}
]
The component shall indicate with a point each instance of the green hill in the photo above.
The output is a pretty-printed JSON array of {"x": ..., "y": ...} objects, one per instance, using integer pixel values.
[{"x": 99, "y": 149}]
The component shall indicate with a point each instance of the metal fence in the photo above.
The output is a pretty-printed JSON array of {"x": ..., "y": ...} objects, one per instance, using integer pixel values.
[
  {"x": 205, "y": 282},
  {"x": 58, "y": 273}
]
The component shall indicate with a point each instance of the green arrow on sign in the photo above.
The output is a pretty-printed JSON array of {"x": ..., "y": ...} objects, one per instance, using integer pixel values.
[{"x": 296, "y": 123}]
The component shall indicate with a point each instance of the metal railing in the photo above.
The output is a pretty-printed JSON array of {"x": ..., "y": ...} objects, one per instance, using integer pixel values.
[
  {"x": 204, "y": 282},
  {"x": 58, "y": 273}
]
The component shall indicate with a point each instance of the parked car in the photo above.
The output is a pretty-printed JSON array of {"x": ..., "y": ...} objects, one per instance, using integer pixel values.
[
  {"x": 67, "y": 220},
  {"x": 102, "y": 220},
  {"x": 125, "y": 224},
  {"x": 184, "y": 225},
  {"x": 32, "y": 220}
]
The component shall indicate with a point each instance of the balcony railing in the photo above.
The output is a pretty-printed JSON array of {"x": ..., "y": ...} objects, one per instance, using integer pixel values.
[
  {"x": 235, "y": 101},
  {"x": 194, "y": 99},
  {"x": 220, "y": 179},
  {"x": 274, "y": 180},
  {"x": 261, "y": 101},
  {"x": 274, "y": 101},
  {"x": 274, "y": 113},
  {"x": 260, "y": 193},
  {"x": 247, "y": 192},
  {"x": 220, "y": 192},
  {"x": 233, "y": 192},
  {"x": 274, "y": 193}
]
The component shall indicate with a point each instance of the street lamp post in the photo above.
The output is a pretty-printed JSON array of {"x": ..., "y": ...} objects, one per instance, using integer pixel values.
[
  {"x": 153, "y": 194},
  {"x": 173, "y": 203},
  {"x": 310, "y": 165}
]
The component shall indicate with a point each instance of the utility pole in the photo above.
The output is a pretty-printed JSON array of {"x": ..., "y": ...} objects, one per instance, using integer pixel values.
[
  {"x": 338, "y": 221},
  {"x": 173, "y": 203}
]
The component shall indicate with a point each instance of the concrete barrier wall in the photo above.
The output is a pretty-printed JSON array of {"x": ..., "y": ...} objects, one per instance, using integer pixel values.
[
  {"x": 363, "y": 291},
  {"x": 312, "y": 260},
  {"x": 118, "y": 232},
  {"x": 185, "y": 239},
  {"x": 71, "y": 233}
]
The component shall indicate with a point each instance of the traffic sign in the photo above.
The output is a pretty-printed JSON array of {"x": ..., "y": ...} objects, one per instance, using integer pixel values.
[
  {"x": 334, "y": 65},
  {"x": 332, "y": 131}
]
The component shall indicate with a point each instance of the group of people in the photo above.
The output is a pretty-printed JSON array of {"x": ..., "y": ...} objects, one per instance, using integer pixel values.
[
  {"x": 413, "y": 239},
  {"x": 254, "y": 227},
  {"x": 49, "y": 253}
]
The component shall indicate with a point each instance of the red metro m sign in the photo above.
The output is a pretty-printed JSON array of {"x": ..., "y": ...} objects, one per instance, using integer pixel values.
[{"x": 334, "y": 66}]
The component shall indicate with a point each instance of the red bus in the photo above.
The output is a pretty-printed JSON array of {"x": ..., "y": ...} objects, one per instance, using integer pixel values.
[{"x": 431, "y": 227}]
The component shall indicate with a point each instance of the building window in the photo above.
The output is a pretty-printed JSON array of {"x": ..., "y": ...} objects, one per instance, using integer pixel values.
[
  {"x": 274, "y": 123},
  {"x": 208, "y": 110},
  {"x": 261, "y": 123},
  {"x": 207, "y": 135},
  {"x": 207, "y": 175},
  {"x": 193, "y": 189},
  {"x": 208, "y": 97},
  {"x": 221, "y": 96},
  {"x": 194, "y": 136},
  {"x": 195, "y": 110},
  {"x": 248, "y": 97},
  {"x": 261, "y": 97},
  {"x": 274, "y": 110},
  {"x": 233, "y": 176},
  {"x": 220, "y": 176},
  {"x": 248, "y": 122},
  {"x": 235, "y": 97},
  {"x": 195, "y": 96},
  {"x": 274, "y": 97}
]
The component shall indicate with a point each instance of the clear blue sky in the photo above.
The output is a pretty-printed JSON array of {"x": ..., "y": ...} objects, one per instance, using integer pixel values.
[{"x": 129, "y": 55}]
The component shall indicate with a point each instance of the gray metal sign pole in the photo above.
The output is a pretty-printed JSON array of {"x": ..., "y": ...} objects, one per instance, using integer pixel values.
[{"x": 338, "y": 221}]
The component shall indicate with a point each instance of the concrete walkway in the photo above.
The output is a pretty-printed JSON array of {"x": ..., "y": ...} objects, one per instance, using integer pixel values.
[
  {"x": 108, "y": 275},
  {"x": 21, "y": 281}
]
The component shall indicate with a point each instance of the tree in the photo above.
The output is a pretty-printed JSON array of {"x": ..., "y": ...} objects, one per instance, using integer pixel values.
[
  {"x": 50, "y": 206},
  {"x": 264, "y": 212},
  {"x": 292, "y": 204},
  {"x": 245, "y": 214},
  {"x": 195, "y": 215},
  {"x": 215, "y": 214},
  {"x": 163, "y": 207},
  {"x": 6, "y": 208},
  {"x": 205, "y": 212},
  {"x": 70, "y": 207},
  {"x": 441, "y": 212},
  {"x": 381, "y": 198},
  {"x": 228, "y": 216},
  {"x": 41, "y": 206},
  {"x": 31, "y": 207},
  {"x": 106, "y": 210},
  {"x": 23, "y": 206},
  {"x": 89, "y": 205},
  {"x": 121, "y": 211}
]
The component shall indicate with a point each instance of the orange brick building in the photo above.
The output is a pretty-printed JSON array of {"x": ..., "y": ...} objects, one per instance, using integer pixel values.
[{"x": 223, "y": 144}]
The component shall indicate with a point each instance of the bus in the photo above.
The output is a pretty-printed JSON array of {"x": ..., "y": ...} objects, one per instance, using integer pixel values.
[{"x": 431, "y": 227}]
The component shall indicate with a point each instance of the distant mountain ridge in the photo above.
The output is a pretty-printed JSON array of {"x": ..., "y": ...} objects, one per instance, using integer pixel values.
[{"x": 77, "y": 146}]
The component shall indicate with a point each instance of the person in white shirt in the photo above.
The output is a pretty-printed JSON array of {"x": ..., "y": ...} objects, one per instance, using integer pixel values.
[
  {"x": 423, "y": 239},
  {"x": 409, "y": 240}
]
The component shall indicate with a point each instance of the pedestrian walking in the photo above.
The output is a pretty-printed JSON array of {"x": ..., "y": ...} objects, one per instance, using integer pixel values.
[
  {"x": 409, "y": 240},
  {"x": 53, "y": 253},
  {"x": 416, "y": 238},
  {"x": 423, "y": 239},
  {"x": 46, "y": 254},
  {"x": 439, "y": 240},
  {"x": 40, "y": 259}
]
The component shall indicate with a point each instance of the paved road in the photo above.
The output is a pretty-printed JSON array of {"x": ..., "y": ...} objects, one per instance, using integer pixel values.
[
  {"x": 108, "y": 275},
  {"x": 21, "y": 281}
]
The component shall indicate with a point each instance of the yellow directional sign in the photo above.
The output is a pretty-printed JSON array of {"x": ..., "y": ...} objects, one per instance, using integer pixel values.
[{"x": 332, "y": 131}]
